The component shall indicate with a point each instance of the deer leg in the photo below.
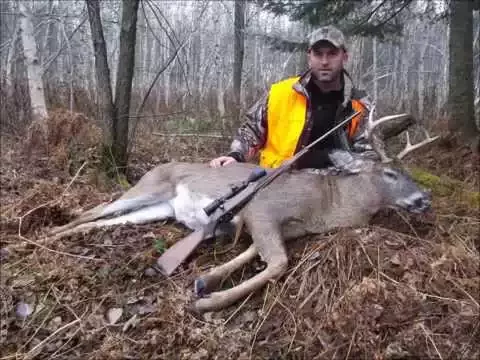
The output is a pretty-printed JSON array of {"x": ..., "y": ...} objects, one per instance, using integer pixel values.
[
  {"x": 147, "y": 214},
  {"x": 160, "y": 211},
  {"x": 129, "y": 201},
  {"x": 206, "y": 283},
  {"x": 270, "y": 246}
]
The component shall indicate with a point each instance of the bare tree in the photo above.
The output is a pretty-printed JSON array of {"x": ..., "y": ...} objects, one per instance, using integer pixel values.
[
  {"x": 33, "y": 66},
  {"x": 189, "y": 60},
  {"x": 239, "y": 45},
  {"x": 115, "y": 115},
  {"x": 102, "y": 71},
  {"x": 462, "y": 115},
  {"x": 123, "y": 89}
]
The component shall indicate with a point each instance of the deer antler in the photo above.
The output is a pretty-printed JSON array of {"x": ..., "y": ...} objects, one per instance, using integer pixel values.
[
  {"x": 377, "y": 142},
  {"x": 409, "y": 147}
]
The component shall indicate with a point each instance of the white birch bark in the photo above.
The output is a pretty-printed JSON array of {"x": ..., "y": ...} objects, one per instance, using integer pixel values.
[{"x": 33, "y": 66}]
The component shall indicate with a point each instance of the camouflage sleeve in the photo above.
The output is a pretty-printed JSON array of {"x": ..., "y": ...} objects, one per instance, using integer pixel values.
[{"x": 251, "y": 135}]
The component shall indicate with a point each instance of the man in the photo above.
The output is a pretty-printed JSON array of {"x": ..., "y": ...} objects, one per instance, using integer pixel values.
[{"x": 297, "y": 110}]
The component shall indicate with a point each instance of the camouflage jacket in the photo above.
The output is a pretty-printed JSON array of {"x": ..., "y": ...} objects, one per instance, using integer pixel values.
[{"x": 252, "y": 134}]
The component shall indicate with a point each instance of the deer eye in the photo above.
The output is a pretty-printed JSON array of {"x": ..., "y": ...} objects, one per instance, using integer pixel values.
[{"x": 390, "y": 174}]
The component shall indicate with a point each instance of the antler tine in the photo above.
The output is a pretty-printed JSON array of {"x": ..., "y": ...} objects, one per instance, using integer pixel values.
[
  {"x": 409, "y": 147},
  {"x": 375, "y": 141},
  {"x": 373, "y": 124}
]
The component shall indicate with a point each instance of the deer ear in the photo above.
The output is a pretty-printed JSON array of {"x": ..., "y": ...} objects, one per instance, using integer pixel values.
[
  {"x": 346, "y": 162},
  {"x": 340, "y": 158}
]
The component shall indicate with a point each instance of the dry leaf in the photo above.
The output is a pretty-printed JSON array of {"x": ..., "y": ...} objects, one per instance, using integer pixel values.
[{"x": 114, "y": 314}]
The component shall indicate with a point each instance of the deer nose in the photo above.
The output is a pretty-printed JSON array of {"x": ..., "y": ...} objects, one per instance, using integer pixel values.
[{"x": 420, "y": 203}]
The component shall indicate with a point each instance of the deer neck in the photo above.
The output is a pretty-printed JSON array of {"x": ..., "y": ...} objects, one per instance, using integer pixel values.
[{"x": 356, "y": 200}]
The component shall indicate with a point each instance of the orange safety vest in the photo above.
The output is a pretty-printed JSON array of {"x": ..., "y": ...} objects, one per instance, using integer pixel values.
[{"x": 286, "y": 116}]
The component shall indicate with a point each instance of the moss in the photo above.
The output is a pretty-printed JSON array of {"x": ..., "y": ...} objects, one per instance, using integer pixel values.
[
  {"x": 122, "y": 180},
  {"x": 439, "y": 186},
  {"x": 445, "y": 187}
]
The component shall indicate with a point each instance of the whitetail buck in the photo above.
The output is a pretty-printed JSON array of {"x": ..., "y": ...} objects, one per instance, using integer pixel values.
[{"x": 297, "y": 203}]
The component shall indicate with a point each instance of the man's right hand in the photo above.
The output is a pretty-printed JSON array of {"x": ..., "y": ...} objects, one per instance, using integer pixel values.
[{"x": 222, "y": 161}]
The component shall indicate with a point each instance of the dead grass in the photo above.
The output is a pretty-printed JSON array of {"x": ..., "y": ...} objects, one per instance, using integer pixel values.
[
  {"x": 404, "y": 287},
  {"x": 71, "y": 139}
]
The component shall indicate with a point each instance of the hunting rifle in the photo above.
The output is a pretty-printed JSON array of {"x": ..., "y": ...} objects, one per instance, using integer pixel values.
[{"x": 223, "y": 211}]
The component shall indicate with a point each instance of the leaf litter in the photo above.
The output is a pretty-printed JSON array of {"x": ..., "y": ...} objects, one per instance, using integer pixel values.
[{"x": 401, "y": 287}]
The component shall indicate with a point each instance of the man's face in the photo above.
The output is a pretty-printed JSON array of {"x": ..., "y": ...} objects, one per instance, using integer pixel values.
[{"x": 326, "y": 61}]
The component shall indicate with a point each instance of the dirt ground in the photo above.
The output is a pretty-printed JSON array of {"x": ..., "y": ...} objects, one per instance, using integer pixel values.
[{"x": 404, "y": 287}]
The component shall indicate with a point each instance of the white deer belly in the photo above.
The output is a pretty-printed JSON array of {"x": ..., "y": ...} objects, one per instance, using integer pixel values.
[{"x": 188, "y": 207}]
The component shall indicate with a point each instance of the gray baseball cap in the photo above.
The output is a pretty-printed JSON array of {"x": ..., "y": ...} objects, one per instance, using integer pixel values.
[{"x": 329, "y": 33}]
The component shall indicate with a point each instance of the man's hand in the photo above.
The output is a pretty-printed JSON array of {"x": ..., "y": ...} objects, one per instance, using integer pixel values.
[{"x": 222, "y": 161}]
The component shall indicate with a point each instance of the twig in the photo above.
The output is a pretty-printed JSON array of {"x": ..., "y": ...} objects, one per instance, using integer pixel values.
[
  {"x": 465, "y": 292},
  {"x": 294, "y": 323},
  {"x": 216, "y": 136},
  {"x": 427, "y": 335},
  {"x": 66, "y": 326},
  {"x": 49, "y": 62},
  {"x": 51, "y": 202},
  {"x": 351, "y": 343},
  {"x": 12, "y": 207},
  {"x": 80, "y": 328},
  {"x": 309, "y": 296},
  {"x": 156, "y": 115},
  {"x": 58, "y": 252},
  {"x": 41, "y": 324},
  {"x": 365, "y": 252},
  {"x": 237, "y": 309},
  {"x": 265, "y": 299},
  {"x": 420, "y": 292},
  {"x": 407, "y": 222}
]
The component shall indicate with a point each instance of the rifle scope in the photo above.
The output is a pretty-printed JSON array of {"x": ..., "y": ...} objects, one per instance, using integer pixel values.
[{"x": 235, "y": 189}]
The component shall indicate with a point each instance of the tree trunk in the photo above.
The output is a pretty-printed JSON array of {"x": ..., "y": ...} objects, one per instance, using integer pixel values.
[
  {"x": 462, "y": 117},
  {"x": 238, "y": 46},
  {"x": 421, "y": 80},
  {"x": 8, "y": 70},
  {"x": 104, "y": 89},
  {"x": 375, "y": 71},
  {"x": 33, "y": 67},
  {"x": 123, "y": 89}
]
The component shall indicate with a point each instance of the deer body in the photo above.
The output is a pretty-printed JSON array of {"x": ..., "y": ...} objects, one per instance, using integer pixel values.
[{"x": 297, "y": 203}]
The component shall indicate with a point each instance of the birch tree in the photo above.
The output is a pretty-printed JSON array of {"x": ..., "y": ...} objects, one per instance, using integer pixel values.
[
  {"x": 187, "y": 60},
  {"x": 33, "y": 67}
]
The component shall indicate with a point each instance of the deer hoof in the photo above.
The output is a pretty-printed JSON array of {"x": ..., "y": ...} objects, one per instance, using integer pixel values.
[{"x": 200, "y": 288}]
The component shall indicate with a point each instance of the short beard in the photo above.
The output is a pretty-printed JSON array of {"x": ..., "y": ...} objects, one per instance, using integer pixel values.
[{"x": 333, "y": 83}]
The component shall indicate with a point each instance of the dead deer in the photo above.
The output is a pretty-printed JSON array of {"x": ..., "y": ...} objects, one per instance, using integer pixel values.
[{"x": 297, "y": 203}]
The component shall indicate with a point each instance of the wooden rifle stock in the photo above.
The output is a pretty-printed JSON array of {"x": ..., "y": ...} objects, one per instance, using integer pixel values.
[{"x": 176, "y": 254}]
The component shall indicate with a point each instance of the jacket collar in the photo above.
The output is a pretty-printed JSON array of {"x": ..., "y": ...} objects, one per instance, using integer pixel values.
[{"x": 349, "y": 90}]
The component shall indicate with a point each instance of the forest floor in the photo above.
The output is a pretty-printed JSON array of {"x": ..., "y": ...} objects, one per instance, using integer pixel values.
[{"x": 403, "y": 287}]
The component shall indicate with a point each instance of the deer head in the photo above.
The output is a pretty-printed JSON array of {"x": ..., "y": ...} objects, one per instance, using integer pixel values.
[{"x": 391, "y": 181}]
